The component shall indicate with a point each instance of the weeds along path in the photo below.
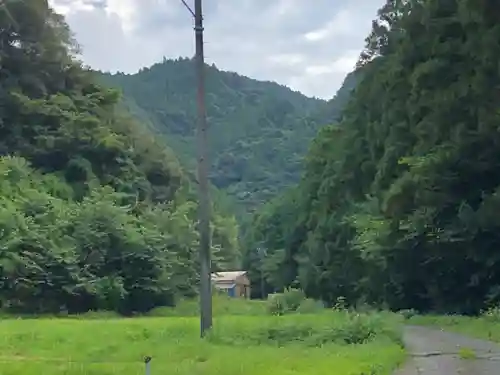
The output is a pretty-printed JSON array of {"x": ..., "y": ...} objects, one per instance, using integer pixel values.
[{"x": 435, "y": 352}]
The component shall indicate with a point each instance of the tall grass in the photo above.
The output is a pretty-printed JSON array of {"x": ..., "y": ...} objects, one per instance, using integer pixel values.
[
  {"x": 245, "y": 340},
  {"x": 312, "y": 330},
  {"x": 241, "y": 345},
  {"x": 222, "y": 305}
]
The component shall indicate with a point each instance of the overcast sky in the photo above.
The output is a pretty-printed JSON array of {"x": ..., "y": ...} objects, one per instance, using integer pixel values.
[{"x": 308, "y": 45}]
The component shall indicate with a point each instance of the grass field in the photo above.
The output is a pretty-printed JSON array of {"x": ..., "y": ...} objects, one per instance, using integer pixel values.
[{"x": 325, "y": 343}]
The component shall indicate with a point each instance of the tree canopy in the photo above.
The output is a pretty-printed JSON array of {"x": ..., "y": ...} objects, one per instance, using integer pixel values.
[
  {"x": 396, "y": 207},
  {"x": 95, "y": 213},
  {"x": 259, "y": 131},
  {"x": 398, "y": 202}
]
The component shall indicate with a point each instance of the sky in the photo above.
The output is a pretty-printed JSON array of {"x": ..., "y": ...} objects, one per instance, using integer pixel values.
[{"x": 308, "y": 45}]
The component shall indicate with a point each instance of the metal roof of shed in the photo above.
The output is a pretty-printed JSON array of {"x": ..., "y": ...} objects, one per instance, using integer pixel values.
[{"x": 227, "y": 276}]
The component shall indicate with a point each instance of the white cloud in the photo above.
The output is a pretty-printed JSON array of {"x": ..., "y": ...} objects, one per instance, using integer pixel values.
[
  {"x": 65, "y": 7},
  {"x": 286, "y": 59},
  {"x": 343, "y": 65},
  {"x": 309, "y": 46},
  {"x": 341, "y": 24},
  {"x": 125, "y": 10}
]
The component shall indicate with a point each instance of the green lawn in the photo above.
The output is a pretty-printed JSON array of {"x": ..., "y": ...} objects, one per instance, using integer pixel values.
[{"x": 257, "y": 345}]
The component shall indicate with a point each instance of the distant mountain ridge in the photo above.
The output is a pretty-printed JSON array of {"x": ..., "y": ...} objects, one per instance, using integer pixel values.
[{"x": 259, "y": 131}]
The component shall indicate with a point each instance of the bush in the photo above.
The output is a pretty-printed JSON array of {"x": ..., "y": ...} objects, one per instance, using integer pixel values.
[
  {"x": 340, "y": 304},
  {"x": 492, "y": 314},
  {"x": 293, "y": 298},
  {"x": 288, "y": 301},
  {"x": 344, "y": 328},
  {"x": 359, "y": 328},
  {"x": 310, "y": 306},
  {"x": 276, "y": 304},
  {"x": 408, "y": 313}
]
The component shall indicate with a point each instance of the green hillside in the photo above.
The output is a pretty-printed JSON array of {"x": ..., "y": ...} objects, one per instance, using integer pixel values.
[
  {"x": 94, "y": 212},
  {"x": 399, "y": 203},
  {"x": 259, "y": 131}
]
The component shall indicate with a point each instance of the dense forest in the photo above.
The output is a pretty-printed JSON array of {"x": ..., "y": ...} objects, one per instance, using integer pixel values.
[
  {"x": 399, "y": 202},
  {"x": 396, "y": 207},
  {"x": 94, "y": 213},
  {"x": 259, "y": 131}
]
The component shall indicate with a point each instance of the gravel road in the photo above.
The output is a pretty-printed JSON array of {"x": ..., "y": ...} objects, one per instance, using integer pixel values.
[{"x": 435, "y": 352}]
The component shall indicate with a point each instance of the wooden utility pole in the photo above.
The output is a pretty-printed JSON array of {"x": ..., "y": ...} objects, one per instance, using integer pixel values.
[
  {"x": 262, "y": 252},
  {"x": 203, "y": 165}
]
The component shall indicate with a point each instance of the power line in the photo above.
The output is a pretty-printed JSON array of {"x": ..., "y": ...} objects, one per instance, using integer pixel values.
[{"x": 188, "y": 8}]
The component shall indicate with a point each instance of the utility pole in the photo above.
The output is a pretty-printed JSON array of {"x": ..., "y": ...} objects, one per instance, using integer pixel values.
[
  {"x": 203, "y": 164},
  {"x": 262, "y": 253}
]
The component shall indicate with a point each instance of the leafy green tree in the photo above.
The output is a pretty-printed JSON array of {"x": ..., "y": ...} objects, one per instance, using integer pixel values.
[
  {"x": 95, "y": 213},
  {"x": 398, "y": 197}
]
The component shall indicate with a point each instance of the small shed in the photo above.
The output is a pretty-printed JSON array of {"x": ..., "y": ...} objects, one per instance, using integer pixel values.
[{"x": 234, "y": 283}]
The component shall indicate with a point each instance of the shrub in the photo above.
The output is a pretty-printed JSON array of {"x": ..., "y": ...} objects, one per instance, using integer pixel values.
[
  {"x": 310, "y": 306},
  {"x": 288, "y": 301},
  {"x": 344, "y": 328},
  {"x": 340, "y": 304},
  {"x": 293, "y": 298},
  {"x": 276, "y": 304},
  {"x": 408, "y": 313},
  {"x": 359, "y": 328},
  {"x": 492, "y": 314}
]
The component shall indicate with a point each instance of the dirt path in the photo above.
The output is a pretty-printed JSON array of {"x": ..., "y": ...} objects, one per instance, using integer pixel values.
[{"x": 434, "y": 352}]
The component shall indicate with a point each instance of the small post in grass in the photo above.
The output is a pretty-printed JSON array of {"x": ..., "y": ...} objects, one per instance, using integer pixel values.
[{"x": 147, "y": 362}]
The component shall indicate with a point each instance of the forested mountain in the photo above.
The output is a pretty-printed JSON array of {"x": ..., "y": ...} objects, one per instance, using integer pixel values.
[
  {"x": 94, "y": 213},
  {"x": 259, "y": 131},
  {"x": 399, "y": 202}
]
